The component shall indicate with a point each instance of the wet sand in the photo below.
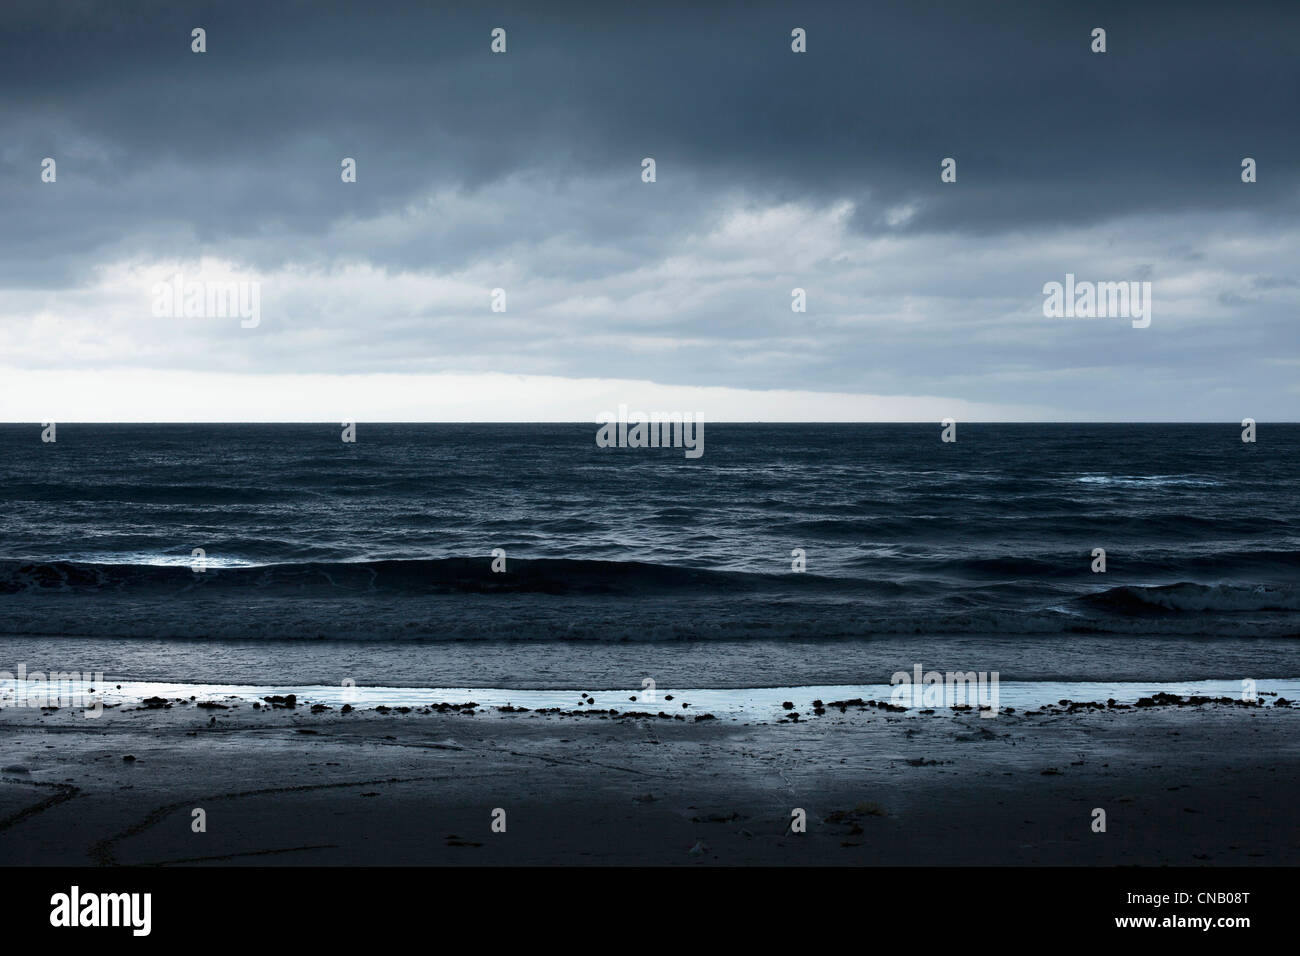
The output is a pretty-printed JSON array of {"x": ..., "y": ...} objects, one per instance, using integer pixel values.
[
  {"x": 1209, "y": 784},
  {"x": 598, "y": 665}
]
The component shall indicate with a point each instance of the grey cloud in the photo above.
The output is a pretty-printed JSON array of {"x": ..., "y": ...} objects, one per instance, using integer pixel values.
[
  {"x": 248, "y": 136},
  {"x": 524, "y": 169}
]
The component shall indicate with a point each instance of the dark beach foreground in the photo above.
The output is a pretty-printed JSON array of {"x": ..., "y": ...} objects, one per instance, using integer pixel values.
[{"x": 1179, "y": 783}]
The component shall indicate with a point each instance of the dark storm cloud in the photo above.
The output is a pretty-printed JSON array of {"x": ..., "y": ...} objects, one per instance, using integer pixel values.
[
  {"x": 775, "y": 171},
  {"x": 160, "y": 146}
]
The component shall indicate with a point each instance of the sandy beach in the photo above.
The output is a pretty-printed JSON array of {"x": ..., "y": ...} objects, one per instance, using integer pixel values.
[{"x": 1180, "y": 784}]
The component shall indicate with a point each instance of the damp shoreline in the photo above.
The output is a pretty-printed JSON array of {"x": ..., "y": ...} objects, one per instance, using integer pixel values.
[{"x": 742, "y": 704}]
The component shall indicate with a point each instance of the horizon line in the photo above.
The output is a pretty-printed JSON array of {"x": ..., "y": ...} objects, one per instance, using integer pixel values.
[{"x": 721, "y": 421}]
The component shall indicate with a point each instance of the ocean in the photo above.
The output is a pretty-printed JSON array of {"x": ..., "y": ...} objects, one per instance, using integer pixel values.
[{"x": 380, "y": 553}]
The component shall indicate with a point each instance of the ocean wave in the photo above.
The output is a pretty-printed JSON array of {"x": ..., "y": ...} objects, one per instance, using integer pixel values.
[
  {"x": 588, "y": 619},
  {"x": 459, "y": 575},
  {"x": 540, "y": 599},
  {"x": 1189, "y": 597},
  {"x": 1149, "y": 481},
  {"x": 152, "y": 493}
]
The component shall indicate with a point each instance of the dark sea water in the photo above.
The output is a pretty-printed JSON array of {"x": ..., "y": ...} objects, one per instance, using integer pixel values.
[{"x": 390, "y": 539}]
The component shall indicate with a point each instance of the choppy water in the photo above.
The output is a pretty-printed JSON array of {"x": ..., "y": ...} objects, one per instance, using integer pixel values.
[{"x": 390, "y": 538}]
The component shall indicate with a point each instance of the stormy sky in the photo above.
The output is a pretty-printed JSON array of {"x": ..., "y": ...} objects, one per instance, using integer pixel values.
[{"x": 522, "y": 171}]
